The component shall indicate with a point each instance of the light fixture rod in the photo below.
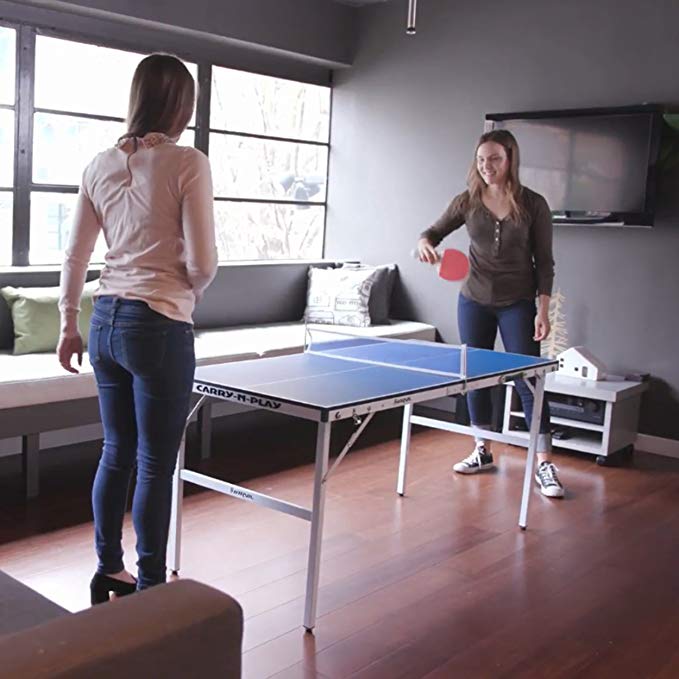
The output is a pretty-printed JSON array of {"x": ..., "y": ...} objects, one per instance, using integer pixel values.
[{"x": 412, "y": 17}]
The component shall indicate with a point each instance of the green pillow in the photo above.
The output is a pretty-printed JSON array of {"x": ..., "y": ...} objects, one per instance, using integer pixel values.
[{"x": 35, "y": 316}]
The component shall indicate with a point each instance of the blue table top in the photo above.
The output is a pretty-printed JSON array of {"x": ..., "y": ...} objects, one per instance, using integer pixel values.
[{"x": 346, "y": 372}]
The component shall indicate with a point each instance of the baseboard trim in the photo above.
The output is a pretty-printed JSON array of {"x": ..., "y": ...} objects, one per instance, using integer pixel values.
[{"x": 657, "y": 445}]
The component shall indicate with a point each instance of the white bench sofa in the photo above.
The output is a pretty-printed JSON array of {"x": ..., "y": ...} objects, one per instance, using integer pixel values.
[
  {"x": 37, "y": 395},
  {"x": 35, "y": 379}
]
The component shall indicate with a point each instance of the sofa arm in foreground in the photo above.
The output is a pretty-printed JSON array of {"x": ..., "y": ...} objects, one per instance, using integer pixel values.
[{"x": 182, "y": 629}]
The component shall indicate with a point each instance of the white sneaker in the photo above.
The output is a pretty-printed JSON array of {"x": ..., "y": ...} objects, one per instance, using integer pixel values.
[
  {"x": 480, "y": 460},
  {"x": 546, "y": 478}
]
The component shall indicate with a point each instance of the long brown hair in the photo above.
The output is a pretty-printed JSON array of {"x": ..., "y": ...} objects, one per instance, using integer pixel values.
[
  {"x": 162, "y": 97},
  {"x": 475, "y": 182}
]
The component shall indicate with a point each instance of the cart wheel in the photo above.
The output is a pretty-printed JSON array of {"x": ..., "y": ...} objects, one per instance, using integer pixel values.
[{"x": 602, "y": 461}]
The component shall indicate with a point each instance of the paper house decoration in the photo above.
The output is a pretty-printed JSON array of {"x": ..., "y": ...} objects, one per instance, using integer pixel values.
[{"x": 579, "y": 362}]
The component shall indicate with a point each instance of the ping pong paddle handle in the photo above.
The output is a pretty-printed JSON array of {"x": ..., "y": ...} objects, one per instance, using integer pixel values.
[{"x": 415, "y": 254}]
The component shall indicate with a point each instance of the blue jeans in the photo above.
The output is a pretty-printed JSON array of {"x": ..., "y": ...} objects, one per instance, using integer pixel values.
[
  {"x": 144, "y": 364},
  {"x": 478, "y": 326}
]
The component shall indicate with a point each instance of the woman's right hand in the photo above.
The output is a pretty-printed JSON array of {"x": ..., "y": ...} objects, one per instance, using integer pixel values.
[
  {"x": 68, "y": 347},
  {"x": 426, "y": 252}
]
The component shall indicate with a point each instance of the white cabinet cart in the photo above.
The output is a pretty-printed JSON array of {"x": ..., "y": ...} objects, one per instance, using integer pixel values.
[{"x": 612, "y": 404}]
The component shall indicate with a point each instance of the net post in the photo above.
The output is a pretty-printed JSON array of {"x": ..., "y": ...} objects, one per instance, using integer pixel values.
[{"x": 307, "y": 336}]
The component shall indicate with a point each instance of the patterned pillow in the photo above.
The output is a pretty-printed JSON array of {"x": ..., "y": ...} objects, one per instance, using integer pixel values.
[
  {"x": 381, "y": 291},
  {"x": 339, "y": 296}
]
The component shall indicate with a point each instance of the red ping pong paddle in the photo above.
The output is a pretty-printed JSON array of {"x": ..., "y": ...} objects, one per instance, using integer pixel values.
[{"x": 453, "y": 265}]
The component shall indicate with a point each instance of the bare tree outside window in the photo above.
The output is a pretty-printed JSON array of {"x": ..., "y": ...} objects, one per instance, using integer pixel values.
[
  {"x": 268, "y": 147},
  {"x": 285, "y": 162},
  {"x": 7, "y": 64},
  {"x": 6, "y": 212},
  {"x": 70, "y": 125}
]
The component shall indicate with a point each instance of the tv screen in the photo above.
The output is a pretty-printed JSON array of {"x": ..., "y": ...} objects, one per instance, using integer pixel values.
[{"x": 589, "y": 166}]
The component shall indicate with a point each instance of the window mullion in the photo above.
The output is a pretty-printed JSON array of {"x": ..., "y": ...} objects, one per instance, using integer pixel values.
[
  {"x": 327, "y": 174},
  {"x": 203, "y": 107},
  {"x": 23, "y": 157}
]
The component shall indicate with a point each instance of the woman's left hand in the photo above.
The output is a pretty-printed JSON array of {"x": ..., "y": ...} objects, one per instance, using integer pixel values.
[{"x": 542, "y": 327}]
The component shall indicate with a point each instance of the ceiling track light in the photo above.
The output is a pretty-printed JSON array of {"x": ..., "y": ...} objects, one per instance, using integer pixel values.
[{"x": 412, "y": 17}]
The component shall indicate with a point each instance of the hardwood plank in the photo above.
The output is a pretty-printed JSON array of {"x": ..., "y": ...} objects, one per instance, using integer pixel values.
[
  {"x": 558, "y": 600},
  {"x": 438, "y": 584},
  {"x": 353, "y": 618},
  {"x": 299, "y": 671}
]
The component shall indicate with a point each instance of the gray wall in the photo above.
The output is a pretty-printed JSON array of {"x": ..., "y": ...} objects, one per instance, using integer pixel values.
[
  {"x": 321, "y": 29},
  {"x": 293, "y": 38},
  {"x": 406, "y": 117}
]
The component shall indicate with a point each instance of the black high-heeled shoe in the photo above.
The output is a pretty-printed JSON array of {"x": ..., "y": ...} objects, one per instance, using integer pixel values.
[{"x": 102, "y": 585}]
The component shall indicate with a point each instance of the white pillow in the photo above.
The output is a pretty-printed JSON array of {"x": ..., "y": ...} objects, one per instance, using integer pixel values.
[{"x": 339, "y": 296}]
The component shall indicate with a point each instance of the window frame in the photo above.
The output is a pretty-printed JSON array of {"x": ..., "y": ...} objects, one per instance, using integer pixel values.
[
  {"x": 24, "y": 111},
  {"x": 273, "y": 201},
  {"x": 11, "y": 188}
]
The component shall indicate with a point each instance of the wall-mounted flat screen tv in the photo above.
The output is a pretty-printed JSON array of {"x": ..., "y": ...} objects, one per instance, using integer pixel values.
[{"x": 594, "y": 166}]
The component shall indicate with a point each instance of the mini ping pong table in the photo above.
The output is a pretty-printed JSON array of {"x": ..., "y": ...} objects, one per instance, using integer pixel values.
[{"x": 337, "y": 378}]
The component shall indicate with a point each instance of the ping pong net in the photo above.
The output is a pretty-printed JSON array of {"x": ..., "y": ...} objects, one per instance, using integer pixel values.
[{"x": 412, "y": 354}]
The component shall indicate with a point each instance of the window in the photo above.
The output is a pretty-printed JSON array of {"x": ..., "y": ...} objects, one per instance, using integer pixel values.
[
  {"x": 7, "y": 102},
  {"x": 71, "y": 122},
  {"x": 267, "y": 139},
  {"x": 269, "y": 157},
  {"x": 6, "y": 214},
  {"x": 257, "y": 104},
  {"x": 51, "y": 217},
  {"x": 64, "y": 145}
]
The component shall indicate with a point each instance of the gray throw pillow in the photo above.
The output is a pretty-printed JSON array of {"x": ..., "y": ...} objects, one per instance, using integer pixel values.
[
  {"x": 339, "y": 296},
  {"x": 381, "y": 291}
]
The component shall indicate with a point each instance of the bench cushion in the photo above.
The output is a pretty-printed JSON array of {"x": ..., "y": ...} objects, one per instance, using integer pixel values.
[{"x": 32, "y": 379}]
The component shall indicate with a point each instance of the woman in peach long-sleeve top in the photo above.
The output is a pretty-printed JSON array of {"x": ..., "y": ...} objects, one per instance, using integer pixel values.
[{"x": 153, "y": 201}]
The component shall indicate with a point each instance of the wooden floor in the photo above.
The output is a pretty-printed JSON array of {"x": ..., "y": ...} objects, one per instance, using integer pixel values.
[{"x": 438, "y": 584}]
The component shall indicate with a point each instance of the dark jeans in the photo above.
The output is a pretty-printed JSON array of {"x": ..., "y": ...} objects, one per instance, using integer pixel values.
[
  {"x": 478, "y": 326},
  {"x": 143, "y": 363}
]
